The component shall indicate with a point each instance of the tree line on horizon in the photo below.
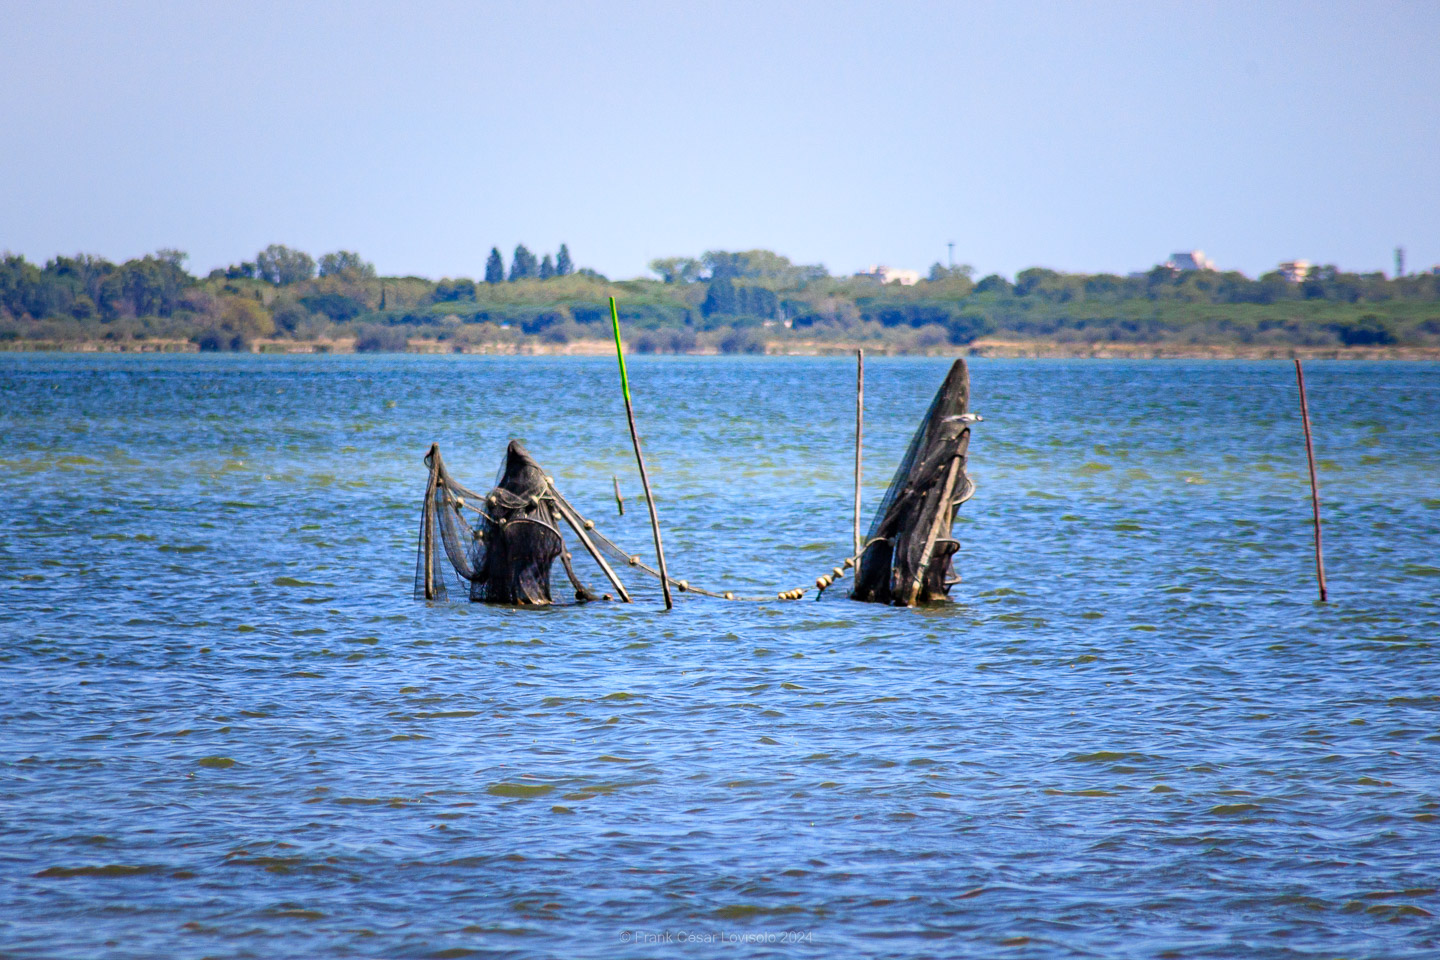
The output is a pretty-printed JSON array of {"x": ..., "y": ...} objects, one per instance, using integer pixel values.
[{"x": 729, "y": 300}]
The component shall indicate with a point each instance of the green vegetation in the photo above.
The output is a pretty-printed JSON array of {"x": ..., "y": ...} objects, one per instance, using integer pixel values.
[{"x": 736, "y": 302}]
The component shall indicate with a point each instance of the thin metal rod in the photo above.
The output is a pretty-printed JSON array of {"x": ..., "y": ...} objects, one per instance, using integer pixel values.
[
  {"x": 1314, "y": 481},
  {"x": 943, "y": 518},
  {"x": 619, "y": 500},
  {"x": 639, "y": 457},
  {"x": 577, "y": 524},
  {"x": 859, "y": 436}
]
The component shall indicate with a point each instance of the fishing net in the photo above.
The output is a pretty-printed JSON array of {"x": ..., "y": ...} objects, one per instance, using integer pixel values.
[
  {"x": 908, "y": 553},
  {"x": 519, "y": 530},
  {"x": 504, "y": 557},
  {"x": 501, "y": 547}
]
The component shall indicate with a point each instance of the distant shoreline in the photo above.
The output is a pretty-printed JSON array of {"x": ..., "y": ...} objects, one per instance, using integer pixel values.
[{"x": 984, "y": 347}]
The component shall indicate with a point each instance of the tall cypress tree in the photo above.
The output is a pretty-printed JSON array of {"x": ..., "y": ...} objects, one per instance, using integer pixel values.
[
  {"x": 547, "y": 268},
  {"x": 522, "y": 264},
  {"x": 494, "y": 267},
  {"x": 563, "y": 266}
]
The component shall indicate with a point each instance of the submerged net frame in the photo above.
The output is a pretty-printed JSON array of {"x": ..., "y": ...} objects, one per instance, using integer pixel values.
[
  {"x": 908, "y": 553},
  {"x": 507, "y": 554}
]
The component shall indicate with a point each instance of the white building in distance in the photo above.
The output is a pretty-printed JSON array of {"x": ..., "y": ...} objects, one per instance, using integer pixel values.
[
  {"x": 1294, "y": 270},
  {"x": 1190, "y": 260},
  {"x": 906, "y": 278}
]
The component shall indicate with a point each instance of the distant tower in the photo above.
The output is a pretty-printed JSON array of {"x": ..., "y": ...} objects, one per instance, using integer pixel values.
[
  {"x": 951, "y": 245},
  {"x": 1399, "y": 262}
]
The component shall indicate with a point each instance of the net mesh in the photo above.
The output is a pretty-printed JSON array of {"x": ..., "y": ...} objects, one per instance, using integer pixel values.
[
  {"x": 908, "y": 552},
  {"x": 506, "y": 556}
]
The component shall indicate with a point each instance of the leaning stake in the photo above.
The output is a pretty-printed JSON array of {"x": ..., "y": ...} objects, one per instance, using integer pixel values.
[
  {"x": 859, "y": 433},
  {"x": 427, "y": 517},
  {"x": 619, "y": 500},
  {"x": 1314, "y": 483},
  {"x": 639, "y": 457}
]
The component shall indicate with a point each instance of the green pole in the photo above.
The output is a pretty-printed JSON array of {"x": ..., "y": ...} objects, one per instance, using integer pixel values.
[
  {"x": 620, "y": 352},
  {"x": 639, "y": 457}
]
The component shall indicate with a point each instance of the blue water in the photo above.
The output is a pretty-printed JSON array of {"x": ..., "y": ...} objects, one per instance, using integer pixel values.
[{"x": 226, "y": 729}]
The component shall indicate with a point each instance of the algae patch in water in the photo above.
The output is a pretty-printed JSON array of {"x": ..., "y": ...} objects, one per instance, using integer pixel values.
[{"x": 523, "y": 791}]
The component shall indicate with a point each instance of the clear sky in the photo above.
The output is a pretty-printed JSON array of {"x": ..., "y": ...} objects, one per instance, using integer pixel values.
[{"x": 1078, "y": 136}]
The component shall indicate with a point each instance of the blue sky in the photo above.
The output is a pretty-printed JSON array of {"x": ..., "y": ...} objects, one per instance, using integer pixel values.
[{"x": 1076, "y": 136}]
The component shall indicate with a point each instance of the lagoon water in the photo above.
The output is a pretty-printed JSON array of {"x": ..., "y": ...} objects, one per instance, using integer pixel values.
[{"x": 227, "y": 730}]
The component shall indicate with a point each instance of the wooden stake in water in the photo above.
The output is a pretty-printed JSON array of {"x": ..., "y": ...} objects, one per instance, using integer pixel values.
[
  {"x": 619, "y": 500},
  {"x": 859, "y": 434},
  {"x": 639, "y": 457},
  {"x": 944, "y": 516},
  {"x": 427, "y": 517},
  {"x": 1314, "y": 483}
]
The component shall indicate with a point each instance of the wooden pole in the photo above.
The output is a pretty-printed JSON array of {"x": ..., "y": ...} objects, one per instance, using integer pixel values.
[
  {"x": 427, "y": 517},
  {"x": 639, "y": 457},
  {"x": 1314, "y": 482},
  {"x": 577, "y": 524},
  {"x": 859, "y": 434},
  {"x": 619, "y": 500},
  {"x": 943, "y": 518}
]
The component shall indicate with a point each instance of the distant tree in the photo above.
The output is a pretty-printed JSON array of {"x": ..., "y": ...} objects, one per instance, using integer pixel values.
[
  {"x": 677, "y": 269},
  {"x": 940, "y": 273},
  {"x": 337, "y": 307},
  {"x": 547, "y": 268},
  {"x": 720, "y": 298},
  {"x": 88, "y": 271},
  {"x": 280, "y": 265},
  {"x": 1364, "y": 331},
  {"x": 373, "y": 338},
  {"x": 346, "y": 263},
  {"x": 241, "y": 320},
  {"x": 522, "y": 264},
  {"x": 756, "y": 302},
  {"x": 763, "y": 265},
  {"x": 150, "y": 286},
  {"x": 592, "y": 274},
  {"x": 994, "y": 283},
  {"x": 448, "y": 290},
  {"x": 563, "y": 265},
  {"x": 726, "y": 266},
  {"x": 1035, "y": 279},
  {"x": 494, "y": 267},
  {"x": 289, "y": 316}
]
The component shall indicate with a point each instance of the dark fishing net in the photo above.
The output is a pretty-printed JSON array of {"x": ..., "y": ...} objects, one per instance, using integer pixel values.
[
  {"x": 506, "y": 556},
  {"x": 908, "y": 553},
  {"x": 521, "y": 527}
]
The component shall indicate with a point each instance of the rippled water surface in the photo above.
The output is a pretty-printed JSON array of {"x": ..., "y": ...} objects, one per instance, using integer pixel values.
[{"x": 226, "y": 729}]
